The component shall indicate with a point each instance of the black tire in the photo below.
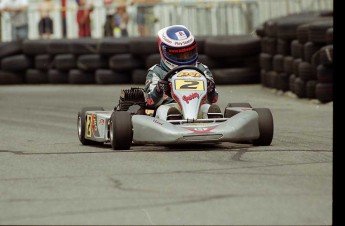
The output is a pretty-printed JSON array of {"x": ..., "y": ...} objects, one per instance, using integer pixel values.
[
  {"x": 309, "y": 49},
  {"x": 143, "y": 46},
  {"x": 266, "y": 61},
  {"x": 295, "y": 66},
  {"x": 65, "y": 62},
  {"x": 232, "y": 46},
  {"x": 236, "y": 76},
  {"x": 35, "y": 47},
  {"x": 16, "y": 63},
  {"x": 11, "y": 78},
  {"x": 329, "y": 36},
  {"x": 57, "y": 77},
  {"x": 110, "y": 46},
  {"x": 91, "y": 62},
  {"x": 310, "y": 89},
  {"x": 125, "y": 62},
  {"x": 283, "y": 81},
  {"x": 229, "y": 113},
  {"x": 269, "y": 45},
  {"x": 107, "y": 76},
  {"x": 34, "y": 76},
  {"x": 306, "y": 72},
  {"x": 317, "y": 30},
  {"x": 121, "y": 130},
  {"x": 283, "y": 47},
  {"x": 266, "y": 127},
  {"x": 81, "y": 46},
  {"x": 326, "y": 55},
  {"x": 324, "y": 74},
  {"x": 59, "y": 46},
  {"x": 324, "y": 92},
  {"x": 300, "y": 88},
  {"x": 296, "y": 49},
  {"x": 76, "y": 76},
  {"x": 44, "y": 62},
  {"x": 288, "y": 65},
  {"x": 278, "y": 63},
  {"x": 81, "y": 124},
  {"x": 10, "y": 48},
  {"x": 292, "y": 79}
]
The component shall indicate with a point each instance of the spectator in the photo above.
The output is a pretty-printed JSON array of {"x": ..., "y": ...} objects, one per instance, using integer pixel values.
[
  {"x": 109, "y": 19},
  {"x": 45, "y": 25},
  {"x": 121, "y": 21},
  {"x": 19, "y": 17},
  {"x": 144, "y": 11},
  {"x": 83, "y": 18}
]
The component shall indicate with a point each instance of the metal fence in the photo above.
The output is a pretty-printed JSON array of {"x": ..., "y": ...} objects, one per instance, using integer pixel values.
[{"x": 212, "y": 17}]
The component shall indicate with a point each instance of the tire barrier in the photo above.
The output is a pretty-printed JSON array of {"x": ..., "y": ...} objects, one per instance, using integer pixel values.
[
  {"x": 297, "y": 55},
  {"x": 234, "y": 58},
  {"x": 293, "y": 53}
]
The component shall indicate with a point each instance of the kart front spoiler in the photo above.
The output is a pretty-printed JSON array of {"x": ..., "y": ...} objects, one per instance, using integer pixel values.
[{"x": 239, "y": 128}]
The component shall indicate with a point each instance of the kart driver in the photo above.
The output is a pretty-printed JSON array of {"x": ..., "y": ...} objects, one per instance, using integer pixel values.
[{"x": 177, "y": 47}]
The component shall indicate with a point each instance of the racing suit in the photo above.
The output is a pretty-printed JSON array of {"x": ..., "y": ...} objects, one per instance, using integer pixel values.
[{"x": 156, "y": 99}]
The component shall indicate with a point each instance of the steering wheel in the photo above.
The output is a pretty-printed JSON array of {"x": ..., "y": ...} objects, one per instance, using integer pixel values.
[{"x": 180, "y": 68}]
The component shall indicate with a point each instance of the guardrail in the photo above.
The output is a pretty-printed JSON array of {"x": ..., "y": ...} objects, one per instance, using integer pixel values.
[{"x": 212, "y": 17}]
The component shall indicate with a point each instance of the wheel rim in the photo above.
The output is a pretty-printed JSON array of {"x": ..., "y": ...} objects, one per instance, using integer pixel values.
[{"x": 79, "y": 127}]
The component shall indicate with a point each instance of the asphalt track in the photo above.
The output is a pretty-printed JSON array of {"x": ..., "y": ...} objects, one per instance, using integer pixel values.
[{"x": 48, "y": 177}]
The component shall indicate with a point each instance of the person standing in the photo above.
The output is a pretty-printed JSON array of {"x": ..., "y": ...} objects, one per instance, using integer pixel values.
[
  {"x": 18, "y": 10},
  {"x": 121, "y": 21},
  {"x": 108, "y": 27},
  {"x": 45, "y": 25},
  {"x": 83, "y": 18},
  {"x": 144, "y": 13}
]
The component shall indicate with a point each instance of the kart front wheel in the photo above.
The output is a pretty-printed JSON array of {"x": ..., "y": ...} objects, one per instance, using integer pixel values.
[
  {"x": 121, "y": 130},
  {"x": 266, "y": 127},
  {"x": 81, "y": 123}
]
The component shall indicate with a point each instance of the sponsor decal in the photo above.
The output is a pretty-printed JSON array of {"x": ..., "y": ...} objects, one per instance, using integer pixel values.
[
  {"x": 183, "y": 50},
  {"x": 101, "y": 121},
  {"x": 181, "y": 35},
  {"x": 150, "y": 101},
  {"x": 190, "y": 97},
  {"x": 182, "y": 43},
  {"x": 165, "y": 38},
  {"x": 94, "y": 123},
  {"x": 189, "y": 73},
  {"x": 201, "y": 130},
  {"x": 88, "y": 125},
  {"x": 158, "y": 122}
]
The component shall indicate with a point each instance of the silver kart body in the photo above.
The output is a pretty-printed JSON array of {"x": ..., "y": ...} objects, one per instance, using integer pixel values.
[{"x": 189, "y": 89}]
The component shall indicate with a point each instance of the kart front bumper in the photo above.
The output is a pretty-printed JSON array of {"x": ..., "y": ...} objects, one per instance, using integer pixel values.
[{"x": 239, "y": 128}]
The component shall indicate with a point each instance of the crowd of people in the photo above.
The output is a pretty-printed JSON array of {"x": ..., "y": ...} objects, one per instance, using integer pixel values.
[{"x": 116, "y": 21}]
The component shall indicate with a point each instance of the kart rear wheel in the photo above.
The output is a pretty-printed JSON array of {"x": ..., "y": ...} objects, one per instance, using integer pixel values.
[
  {"x": 81, "y": 124},
  {"x": 121, "y": 130},
  {"x": 229, "y": 113},
  {"x": 266, "y": 127}
]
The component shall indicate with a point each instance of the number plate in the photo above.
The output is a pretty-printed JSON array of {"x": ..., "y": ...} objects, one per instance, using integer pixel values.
[{"x": 181, "y": 84}]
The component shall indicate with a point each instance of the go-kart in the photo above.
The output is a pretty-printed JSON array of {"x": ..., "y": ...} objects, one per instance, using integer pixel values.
[{"x": 131, "y": 122}]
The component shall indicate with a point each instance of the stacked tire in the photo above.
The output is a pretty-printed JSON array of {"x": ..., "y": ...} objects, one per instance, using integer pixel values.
[
  {"x": 291, "y": 55},
  {"x": 232, "y": 59}
]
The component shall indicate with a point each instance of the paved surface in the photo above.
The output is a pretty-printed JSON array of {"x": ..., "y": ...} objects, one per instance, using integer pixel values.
[{"x": 48, "y": 177}]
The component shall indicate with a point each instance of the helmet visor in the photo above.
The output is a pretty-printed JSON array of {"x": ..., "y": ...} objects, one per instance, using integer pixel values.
[{"x": 182, "y": 55}]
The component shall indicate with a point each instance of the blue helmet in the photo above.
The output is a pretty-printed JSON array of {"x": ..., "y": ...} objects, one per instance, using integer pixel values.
[{"x": 177, "y": 46}]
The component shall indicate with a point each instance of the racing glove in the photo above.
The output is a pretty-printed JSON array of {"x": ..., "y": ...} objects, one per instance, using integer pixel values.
[
  {"x": 163, "y": 87},
  {"x": 211, "y": 86}
]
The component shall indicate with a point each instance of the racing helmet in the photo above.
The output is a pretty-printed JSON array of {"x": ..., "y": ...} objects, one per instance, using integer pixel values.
[{"x": 177, "y": 46}]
